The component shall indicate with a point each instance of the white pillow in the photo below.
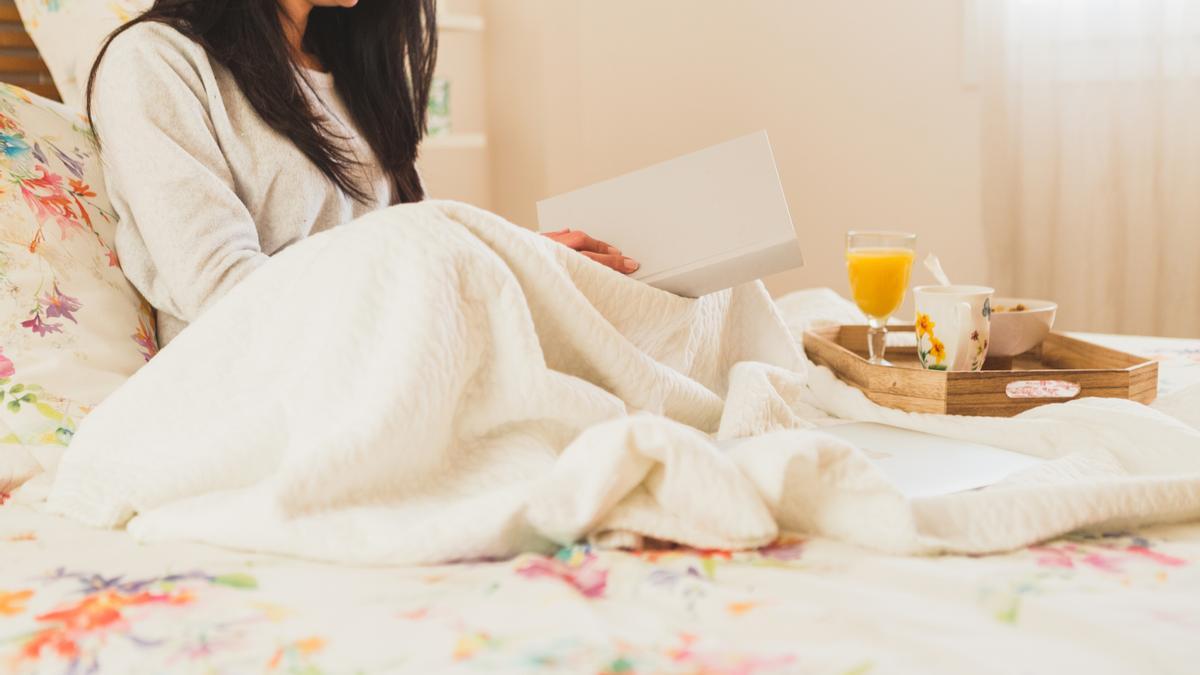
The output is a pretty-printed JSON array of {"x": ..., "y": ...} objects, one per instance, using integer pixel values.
[
  {"x": 68, "y": 33},
  {"x": 72, "y": 329}
]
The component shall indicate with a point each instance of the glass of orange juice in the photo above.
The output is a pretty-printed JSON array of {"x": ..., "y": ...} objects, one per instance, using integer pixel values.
[{"x": 879, "y": 264}]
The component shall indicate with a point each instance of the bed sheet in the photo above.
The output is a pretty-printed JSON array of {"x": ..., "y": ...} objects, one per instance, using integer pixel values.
[{"x": 76, "y": 600}]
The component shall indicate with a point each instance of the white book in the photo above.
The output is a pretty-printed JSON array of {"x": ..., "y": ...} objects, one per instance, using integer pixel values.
[{"x": 699, "y": 223}]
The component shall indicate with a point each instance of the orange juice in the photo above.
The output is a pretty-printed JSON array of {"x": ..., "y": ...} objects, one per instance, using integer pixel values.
[{"x": 879, "y": 278}]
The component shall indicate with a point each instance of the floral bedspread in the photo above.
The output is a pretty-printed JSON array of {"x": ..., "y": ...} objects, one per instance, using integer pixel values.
[{"x": 76, "y": 600}]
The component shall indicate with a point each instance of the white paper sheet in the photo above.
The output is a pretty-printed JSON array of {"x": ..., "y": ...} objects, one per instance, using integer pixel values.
[{"x": 924, "y": 465}]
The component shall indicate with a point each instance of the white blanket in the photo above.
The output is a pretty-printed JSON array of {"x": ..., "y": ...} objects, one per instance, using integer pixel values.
[{"x": 432, "y": 383}]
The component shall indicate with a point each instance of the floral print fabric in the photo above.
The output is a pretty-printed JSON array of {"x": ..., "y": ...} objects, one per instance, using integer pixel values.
[
  {"x": 73, "y": 327},
  {"x": 75, "y": 600}
]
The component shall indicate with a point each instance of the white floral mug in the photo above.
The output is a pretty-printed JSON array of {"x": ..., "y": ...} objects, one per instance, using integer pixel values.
[{"x": 953, "y": 326}]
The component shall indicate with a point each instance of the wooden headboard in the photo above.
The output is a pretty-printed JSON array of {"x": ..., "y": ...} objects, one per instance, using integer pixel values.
[{"x": 19, "y": 60}]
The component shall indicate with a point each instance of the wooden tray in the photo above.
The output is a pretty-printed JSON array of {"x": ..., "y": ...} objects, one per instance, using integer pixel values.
[{"x": 1061, "y": 369}]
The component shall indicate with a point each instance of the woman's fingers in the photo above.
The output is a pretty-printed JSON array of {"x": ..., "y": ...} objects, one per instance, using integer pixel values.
[
  {"x": 580, "y": 241},
  {"x": 600, "y": 251},
  {"x": 614, "y": 260},
  {"x": 604, "y": 247}
]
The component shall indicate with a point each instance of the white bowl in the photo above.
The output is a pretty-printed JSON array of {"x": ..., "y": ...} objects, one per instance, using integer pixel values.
[{"x": 1015, "y": 333}]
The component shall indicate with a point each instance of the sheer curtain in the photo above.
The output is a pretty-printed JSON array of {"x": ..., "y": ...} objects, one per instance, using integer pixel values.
[{"x": 1091, "y": 133}]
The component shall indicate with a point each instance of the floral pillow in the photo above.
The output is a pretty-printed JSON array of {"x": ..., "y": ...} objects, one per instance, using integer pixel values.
[
  {"x": 72, "y": 328},
  {"x": 68, "y": 33}
]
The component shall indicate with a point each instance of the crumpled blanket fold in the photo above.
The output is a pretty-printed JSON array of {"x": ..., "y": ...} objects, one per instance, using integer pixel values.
[{"x": 432, "y": 383}]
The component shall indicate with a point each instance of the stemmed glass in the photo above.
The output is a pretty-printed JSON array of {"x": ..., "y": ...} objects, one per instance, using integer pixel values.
[{"x": 879, "y": 264}]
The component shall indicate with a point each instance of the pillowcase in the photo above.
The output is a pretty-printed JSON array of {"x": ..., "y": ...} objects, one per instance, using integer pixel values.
[
  {"x": 72, "y": 329},
  {"x": 68, "y": 33}
]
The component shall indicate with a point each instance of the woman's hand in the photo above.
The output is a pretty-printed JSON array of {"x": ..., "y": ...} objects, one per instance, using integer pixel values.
[{"x": 601, "y": 252}]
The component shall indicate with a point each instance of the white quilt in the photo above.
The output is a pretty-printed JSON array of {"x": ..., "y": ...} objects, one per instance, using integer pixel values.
[{"x": 432, "y": 383}]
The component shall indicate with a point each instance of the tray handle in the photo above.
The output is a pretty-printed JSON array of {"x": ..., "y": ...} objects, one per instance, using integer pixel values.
[{"x": 1025, "y": 389}]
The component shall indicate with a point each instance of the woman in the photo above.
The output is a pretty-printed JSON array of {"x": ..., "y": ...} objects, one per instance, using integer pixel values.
[{"x": 231, "y": 129}]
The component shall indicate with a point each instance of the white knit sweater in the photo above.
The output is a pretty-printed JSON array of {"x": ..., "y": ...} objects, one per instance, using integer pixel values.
[{"x": 205, "y": 190}]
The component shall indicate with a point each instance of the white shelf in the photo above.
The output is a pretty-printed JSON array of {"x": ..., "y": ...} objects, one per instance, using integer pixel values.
[
  {"x": 453, "y": 140},
  {"x": 460, "y": 22}
]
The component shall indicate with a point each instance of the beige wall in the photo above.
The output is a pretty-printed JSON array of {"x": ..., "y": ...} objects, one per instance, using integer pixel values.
[{"x": 863, "y": 99}]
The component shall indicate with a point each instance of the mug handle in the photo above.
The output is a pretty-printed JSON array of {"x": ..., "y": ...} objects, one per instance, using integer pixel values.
[{"x": 964, "y": 340}]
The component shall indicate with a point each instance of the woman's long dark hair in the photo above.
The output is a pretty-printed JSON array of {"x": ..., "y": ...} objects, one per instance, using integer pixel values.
[{"x": 381, "y": 54}]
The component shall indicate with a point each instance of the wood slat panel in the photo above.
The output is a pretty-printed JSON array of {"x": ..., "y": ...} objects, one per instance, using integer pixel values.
[
  {"x": 11, "y": 36},
  {"x": 8, "y": 13},
  {"x": 24, "y": 63}
]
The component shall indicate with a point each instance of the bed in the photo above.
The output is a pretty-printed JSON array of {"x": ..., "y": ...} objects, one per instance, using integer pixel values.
[{"x": 76, "y": 600}]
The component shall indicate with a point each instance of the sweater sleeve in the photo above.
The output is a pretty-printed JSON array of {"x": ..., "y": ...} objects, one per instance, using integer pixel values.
[{"x": 185, "y": 237}]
